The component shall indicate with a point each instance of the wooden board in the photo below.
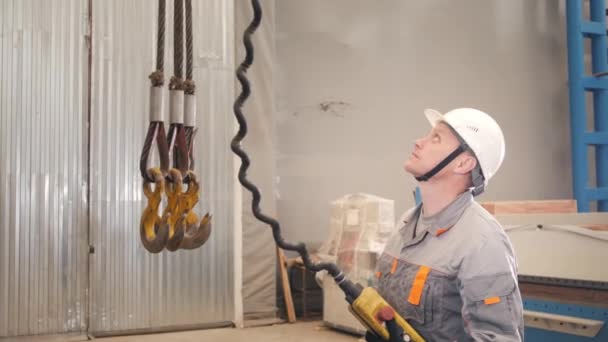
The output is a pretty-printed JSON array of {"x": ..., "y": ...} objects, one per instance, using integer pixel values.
[
  {"x": 530, "y": 207},
  {"x": 597, "y": 221},
  {"x": 291, "y": 313},
  {"x": 596, "y": 226}
]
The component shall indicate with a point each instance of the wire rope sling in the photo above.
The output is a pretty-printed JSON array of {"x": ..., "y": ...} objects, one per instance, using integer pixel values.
[{"x": 179, "y": 227}]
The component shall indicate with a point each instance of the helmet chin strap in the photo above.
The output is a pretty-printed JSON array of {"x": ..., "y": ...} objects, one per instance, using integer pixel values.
[
  {"x": 461, "y": 148},
  {"x": 476, "y": 174},
  {"x": 478, "y": 181}
]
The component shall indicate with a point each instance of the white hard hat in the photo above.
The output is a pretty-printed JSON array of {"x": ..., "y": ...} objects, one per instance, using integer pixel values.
[{"x": 479, "y": 131}]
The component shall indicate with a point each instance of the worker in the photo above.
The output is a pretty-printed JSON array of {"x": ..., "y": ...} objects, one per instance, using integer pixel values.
[{"x": 450, "y": 269}]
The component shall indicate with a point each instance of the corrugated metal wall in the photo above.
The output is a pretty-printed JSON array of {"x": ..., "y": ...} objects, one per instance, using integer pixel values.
[
  {"x": 43, "y": 236},
  {"x": 130, "y": 288},
  {"x": 44, "y": 147}
]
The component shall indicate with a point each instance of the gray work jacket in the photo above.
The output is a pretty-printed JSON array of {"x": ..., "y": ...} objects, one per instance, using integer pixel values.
[{"x": 453, "y": 275}]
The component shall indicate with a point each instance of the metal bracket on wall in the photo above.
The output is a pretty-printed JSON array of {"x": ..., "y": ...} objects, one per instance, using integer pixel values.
[{"x": 562, "y": 323}]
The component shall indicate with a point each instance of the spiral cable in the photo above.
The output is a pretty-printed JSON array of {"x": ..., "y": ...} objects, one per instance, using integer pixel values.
[{"x": 235, "y": 145}]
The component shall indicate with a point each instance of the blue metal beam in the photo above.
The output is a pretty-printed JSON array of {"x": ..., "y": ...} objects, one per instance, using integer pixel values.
[
  {"x": 600, "y": 97},
  {"x": 593, "y": 28},
  {"x": 596, "y": 138},
  {"x": 578, "y": 30},
  {"x": 594, "y": 194},
  {"x": 594, "y": 83},
  {"x": 576, "y": 70}
]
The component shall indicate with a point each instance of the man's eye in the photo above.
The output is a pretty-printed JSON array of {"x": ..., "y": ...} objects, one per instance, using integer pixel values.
[{"x": 436, "y": 137}]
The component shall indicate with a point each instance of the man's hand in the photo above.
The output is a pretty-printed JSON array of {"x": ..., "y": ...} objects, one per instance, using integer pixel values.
[{"x": 387, "y": 315}]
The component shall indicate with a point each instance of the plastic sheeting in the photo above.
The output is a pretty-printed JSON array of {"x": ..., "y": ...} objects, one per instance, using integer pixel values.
[{"x": 360, "y": 225}]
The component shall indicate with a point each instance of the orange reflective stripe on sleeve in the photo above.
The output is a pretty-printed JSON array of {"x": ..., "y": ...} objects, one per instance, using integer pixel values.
[
  {"x": 394, "y": 267},
  {"x": 491, "y": 300},
  {"x": 441, "y": 231},
  {"x": 418, "y": 285}
]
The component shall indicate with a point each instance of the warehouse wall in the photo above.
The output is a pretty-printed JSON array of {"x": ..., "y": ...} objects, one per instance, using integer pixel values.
[
  {"x": 335, "y": 111},
  {"x": 354, "y": 77}
]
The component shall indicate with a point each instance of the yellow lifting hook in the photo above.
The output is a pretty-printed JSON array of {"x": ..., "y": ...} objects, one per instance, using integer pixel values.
[
  {"x": 174, "y": 210},
  {"x": 195, "y": 234},
  {"x": 153, "y": 234}
]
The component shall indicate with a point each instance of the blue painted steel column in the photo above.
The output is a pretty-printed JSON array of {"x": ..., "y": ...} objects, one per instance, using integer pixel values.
[
  {"x": 576, "y": 69},
  {"x": 600, "y": 98}
]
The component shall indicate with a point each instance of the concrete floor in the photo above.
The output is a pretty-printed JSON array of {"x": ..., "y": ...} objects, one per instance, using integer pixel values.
[{"x": 296, "y": 332}]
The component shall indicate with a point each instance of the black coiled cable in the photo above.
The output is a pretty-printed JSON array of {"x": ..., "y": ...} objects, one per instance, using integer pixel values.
[{"x": 236, "y": 148}]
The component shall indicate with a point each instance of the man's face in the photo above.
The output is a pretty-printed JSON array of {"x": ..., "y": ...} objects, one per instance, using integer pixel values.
[{"x": 431, "y": 149}]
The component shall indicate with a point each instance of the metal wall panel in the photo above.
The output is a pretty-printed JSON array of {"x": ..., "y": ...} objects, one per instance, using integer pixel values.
[
  {"x": 131, "y": 288},
  {"x": 43, "y": 235}
]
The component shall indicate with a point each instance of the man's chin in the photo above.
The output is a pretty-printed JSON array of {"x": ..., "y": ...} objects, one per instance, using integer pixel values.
[{"x": 408, "y": 168}]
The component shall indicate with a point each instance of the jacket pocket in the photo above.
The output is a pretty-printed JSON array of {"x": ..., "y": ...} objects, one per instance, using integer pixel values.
[
  {"x": 411, "y": 293},
  {"x": 490, "y": 303}
]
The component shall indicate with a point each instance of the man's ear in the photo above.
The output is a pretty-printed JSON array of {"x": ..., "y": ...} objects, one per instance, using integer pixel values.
[{"x": 466, "y": 164}]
